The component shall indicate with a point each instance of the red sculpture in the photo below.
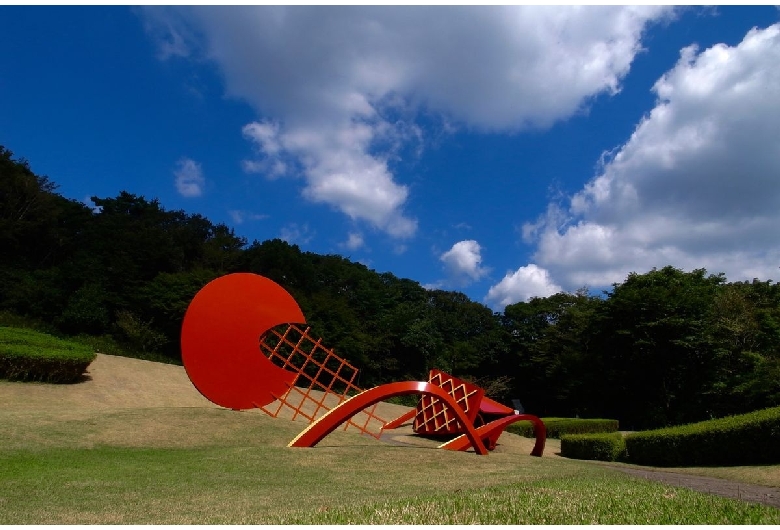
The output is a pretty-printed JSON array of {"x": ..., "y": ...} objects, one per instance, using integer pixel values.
[
  {"x": 331, "y": 420},
  {"x": 431, "y": 417},
  {"x": 245, "y": 345},
  {"x": 219, "y": 340}
]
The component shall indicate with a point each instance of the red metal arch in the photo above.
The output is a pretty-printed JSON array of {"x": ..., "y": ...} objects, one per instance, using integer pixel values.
[
  {"x": 491, "y": 431},
  {"x": 318, "y": 430}
]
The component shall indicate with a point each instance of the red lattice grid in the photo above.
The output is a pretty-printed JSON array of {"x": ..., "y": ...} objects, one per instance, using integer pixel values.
[
  {"x": 433, "y": 417},
  {"x": 324, "y": 379}
]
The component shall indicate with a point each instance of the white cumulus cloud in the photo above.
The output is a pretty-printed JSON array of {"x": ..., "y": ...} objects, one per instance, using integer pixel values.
[
  {"x": 189, "y": 178},
  {"x": 696, "y": 185},
  {"x": 354, "y": 241},
  {"x": 519, "y": 286},
  {"x": 338, "y": 89},
  {"x": 464, "y": 263}
]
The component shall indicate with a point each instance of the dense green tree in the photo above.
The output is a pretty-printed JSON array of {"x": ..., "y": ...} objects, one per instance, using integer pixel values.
[
  {"x": 552, "y": 356},
  {"x": 745, "y": 334},
  {"x": 283, "y": 263},
  {"x": 465, "y": 327},
  {"x": 657, "y": 346},
  {"x": 39, "y": 230},
  {"x": 164, "y": 300},
  {"x": 27, "y": 212}
]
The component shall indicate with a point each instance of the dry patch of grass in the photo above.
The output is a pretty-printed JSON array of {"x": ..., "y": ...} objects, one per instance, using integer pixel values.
[{"x": 112, "y": 382}]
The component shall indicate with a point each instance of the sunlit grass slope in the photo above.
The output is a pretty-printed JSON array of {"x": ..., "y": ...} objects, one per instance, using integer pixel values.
[{"x": 137, "y": 444}]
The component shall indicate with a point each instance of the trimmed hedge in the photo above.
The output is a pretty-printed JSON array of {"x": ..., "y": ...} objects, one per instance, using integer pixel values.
[
  {"x": 604, "y": 446},
  {"x": 747, "y": 439},
  {"x": 556, "y": 427},
  {"x": 27, "y": 355}
]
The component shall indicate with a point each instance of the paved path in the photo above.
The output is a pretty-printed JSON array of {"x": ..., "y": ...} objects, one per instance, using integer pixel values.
[{"x": 716, "y": 486}]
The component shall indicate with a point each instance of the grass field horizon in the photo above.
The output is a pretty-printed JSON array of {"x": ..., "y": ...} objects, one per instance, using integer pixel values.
[{"x": 135, "y": 443}]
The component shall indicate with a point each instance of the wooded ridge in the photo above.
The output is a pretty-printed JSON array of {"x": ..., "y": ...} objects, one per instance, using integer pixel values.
[{"x": 663, "y": 347}]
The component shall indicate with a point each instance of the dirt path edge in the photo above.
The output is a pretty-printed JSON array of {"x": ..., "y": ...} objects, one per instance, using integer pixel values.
[{"x": 716, "y": 486}]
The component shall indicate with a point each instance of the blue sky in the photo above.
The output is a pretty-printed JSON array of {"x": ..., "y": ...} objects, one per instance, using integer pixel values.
[{"x": 503, "y": 152}]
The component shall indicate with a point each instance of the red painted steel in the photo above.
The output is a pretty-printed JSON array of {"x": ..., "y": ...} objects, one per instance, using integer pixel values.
[
  {"x": 471, "y": 401},
  {"x": 238, "y": 354},
  {"x": 220, "y": 340},
  {"x": 324, "y": 379},
  {"x": 491, "y": 431},
  {"x": 488, "y": 406},
  {"x": 318, "y": 430},
  {"x": 432, "y": 416}
]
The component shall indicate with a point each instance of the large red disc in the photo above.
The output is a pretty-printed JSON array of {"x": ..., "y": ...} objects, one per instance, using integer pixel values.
[{"x": 220, "y": 340}]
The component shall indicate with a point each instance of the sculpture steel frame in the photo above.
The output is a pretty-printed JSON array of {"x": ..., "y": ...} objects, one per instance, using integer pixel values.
[{"x": 245, "y": 345}]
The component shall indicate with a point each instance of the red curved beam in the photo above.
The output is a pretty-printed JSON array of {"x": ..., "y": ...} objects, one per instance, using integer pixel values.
[
  {"x": 489, "y": 430},
  {"x": 318, "y": 430}
]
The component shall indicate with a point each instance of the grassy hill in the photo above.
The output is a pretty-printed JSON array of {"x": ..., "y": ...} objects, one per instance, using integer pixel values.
[{"x": 135, "y": 443}]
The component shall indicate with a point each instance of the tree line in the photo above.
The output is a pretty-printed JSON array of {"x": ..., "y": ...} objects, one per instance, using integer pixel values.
[{"x": 661, "y": 348}]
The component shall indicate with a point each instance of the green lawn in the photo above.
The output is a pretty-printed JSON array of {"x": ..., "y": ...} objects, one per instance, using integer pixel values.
[{"x": 96, "y": 468}]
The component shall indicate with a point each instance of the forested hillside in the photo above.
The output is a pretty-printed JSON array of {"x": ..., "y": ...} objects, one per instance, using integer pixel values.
[{"x": 663, "y": 347}]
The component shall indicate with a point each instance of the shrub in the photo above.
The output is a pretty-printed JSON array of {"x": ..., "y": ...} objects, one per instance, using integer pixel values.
[
  {"x": 108, "y": 345},
  {"x": 28, "y": 355},
  {"x": 556, "y": 427},
  {"x": 14, "y": 320},
  {"x": 604, "y": 446},
  {"x": 746, "y": 439},
  {"x": 138, "y": 334},
  {"x": 85, "y": 311}
]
